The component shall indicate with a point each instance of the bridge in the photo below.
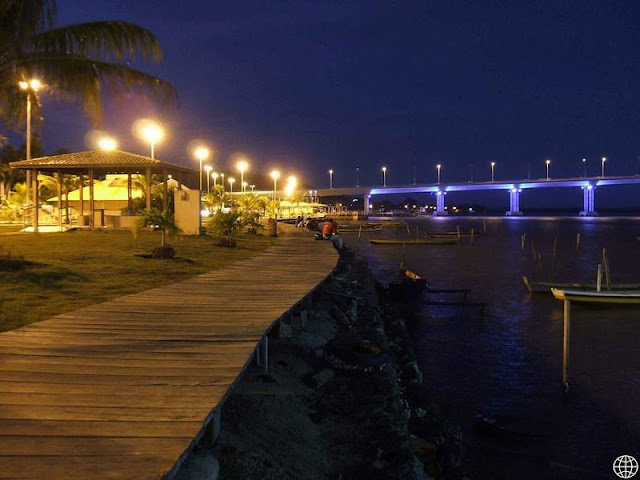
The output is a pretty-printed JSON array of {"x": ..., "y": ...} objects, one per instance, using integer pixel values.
[{"x": 512, "y": 187}]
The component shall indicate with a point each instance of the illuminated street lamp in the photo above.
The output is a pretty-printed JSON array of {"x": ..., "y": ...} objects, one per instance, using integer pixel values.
[
  {"x": 438, "y": 167},
  {"x": 275, "y": 174},
  {"x": 31, "y": 87},
  {"x": 215, "y": 179},
  {"x": 152, "y": 133},
  {"x": 493, "y": 166},
  {"x": 252, "y": 187},
  {"x": 108, "y": 144},
  {"x": 231, "y": 181},
  {"x": 548, "y": 162},
  {"x": 330, "y": 178},
  {"x": 244, "y": 186},
  {"x": 242, "y": 166},
  {"x": 357, "y": 176},
  {"x": 208, "y": 168},
  {"x": 201, "y": 153},
  {"x": 384, "y": 176},
  {"x": 604, "y": 159},
  {"x": 222, "y": 181},
  {"x": 584, "y": 167}
]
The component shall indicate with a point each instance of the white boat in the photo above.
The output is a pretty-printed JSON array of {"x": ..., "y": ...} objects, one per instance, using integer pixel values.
[{"x": 610, "y": 297}]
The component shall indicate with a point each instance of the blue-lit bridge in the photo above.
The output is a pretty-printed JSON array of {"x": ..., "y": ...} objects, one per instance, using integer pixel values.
[{"x": 512, "y": 187}]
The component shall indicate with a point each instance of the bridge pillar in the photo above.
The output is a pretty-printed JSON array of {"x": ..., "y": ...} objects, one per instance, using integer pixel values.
[
  {"x": 514, "y": 203},
  {"x": 589, "y": 202},
  {"x": 367, "y": 203},
  {"x": 440, "y": 211}
]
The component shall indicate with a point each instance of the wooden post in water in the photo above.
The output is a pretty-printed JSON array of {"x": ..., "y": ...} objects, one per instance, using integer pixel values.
[
  {"x": 472, "y": 232},
  {"x": 553, "y": 262},
  {"x": 484, "y": 226},
  {"x": 605, "y": 265},
  {"x": 578, "y": 242},
  {"x": 523, "y": 240},
  {"x": 599, "y": 279},
  {"x": 458, "y": 229},
  {"x": 359, "y": 233},
  {"x": 565, "y": 344}
]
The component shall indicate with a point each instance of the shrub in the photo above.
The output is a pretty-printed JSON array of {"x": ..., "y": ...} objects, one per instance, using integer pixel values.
[{"x": 165, "y": 251}]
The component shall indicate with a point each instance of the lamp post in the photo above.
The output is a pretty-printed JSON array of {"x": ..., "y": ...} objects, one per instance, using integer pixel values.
[
  {"x": 275, "y": 174},
  {"x": 493, "y": 166},
  {"x": 107, "y": 144},
  {"x": 222, "y": 181},
  {"x": 548, "y": 162},
  {"x": 252, "y": 187},
  {"x": 357, "y": 176},
  {"x": 153, "y": 133},
  {"x": 215, "y": 175},
  {"x": 438, "y": 168},
  {"x": 231, "y": 180},
  {"x": 384, "y": 176},
  {"x": 330, "y": 178},
  {"x": 584, "y": 167},
  {"x": 242, "y": 166},
  {"x": 208, "y": 168},
  {"x": 201, "y": 153},
  {"x": 244, "y": 186},
  {"x": 604, "y": 159},
  {"x": 31, "y": 87}
]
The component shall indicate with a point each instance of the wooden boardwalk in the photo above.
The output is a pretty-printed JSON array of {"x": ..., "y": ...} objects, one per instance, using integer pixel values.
[{"x": 124, "y": 388}]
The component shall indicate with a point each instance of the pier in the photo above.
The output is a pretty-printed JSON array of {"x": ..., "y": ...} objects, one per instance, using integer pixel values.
[{"x": 127, "y": 388}]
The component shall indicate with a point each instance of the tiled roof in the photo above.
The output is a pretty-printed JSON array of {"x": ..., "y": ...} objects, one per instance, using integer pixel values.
[{"x": 98, "y": 159}]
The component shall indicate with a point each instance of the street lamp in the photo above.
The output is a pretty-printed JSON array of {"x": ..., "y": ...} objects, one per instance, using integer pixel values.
[
  {"x": 152, "y": 133},
  {"x": 275, "y": 174},
  {"x": 493, "y": 166},
  {"x": 548, "y": 162},
  {"x": 438, "y": 167},
  {"x": 604, "y": 159},
  {"x": 357, "y": 176},
  {"x": 31, "y": 87},
  {"x": 584, "y": 167},
  {"x": 107, "y": 144},
  {"x": 201, "y": 153},
  {"x": 208, "y": 168},
  {"x": 252, "y": 187},
  {"x": 215, "y": 179},
  {"x": 222, "y": 181},
  {"x": 231, "y": 180},
  {"x": 384, "y": 176},
  {"x": 242, "y": 166},
  {"x": 330, "y": 178},
  {"x": 244, "y": 186}
]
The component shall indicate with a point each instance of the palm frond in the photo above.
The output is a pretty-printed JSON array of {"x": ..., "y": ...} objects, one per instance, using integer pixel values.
[
  {"x": 101, "y": 40},
  {"x": 25, "y": 18},
  {"x": 84, "y": 78}
]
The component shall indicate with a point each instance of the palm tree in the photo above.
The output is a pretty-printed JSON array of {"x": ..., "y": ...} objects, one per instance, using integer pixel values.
[
  {"x": 78, "y": 61},
  {"x": 215, "y": 198},
  {"x": 160, "y": 219},
  {"x": 225, "y": 225}
]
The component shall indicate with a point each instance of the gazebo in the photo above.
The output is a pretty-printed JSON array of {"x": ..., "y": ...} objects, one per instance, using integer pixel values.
[{"x": 96, "y": 163}]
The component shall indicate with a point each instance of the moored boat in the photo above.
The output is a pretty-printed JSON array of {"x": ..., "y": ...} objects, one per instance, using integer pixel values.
[
  {"x": 545, "y": 287},
  {"x": 608, "y": 297},
  {"x": 408, "y": 241},
  {"x": 451, "y": 234}
]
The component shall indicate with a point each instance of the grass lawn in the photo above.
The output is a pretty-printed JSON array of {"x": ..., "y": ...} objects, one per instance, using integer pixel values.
[{"x": 79, "y": 268}]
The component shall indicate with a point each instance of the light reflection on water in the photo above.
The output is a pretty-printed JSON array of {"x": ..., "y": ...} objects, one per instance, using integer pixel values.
[{"x": 509, "y": 361}]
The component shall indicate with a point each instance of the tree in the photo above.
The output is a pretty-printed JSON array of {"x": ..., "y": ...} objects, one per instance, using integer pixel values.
[
  {"x": 225, "y": 225},
  {"x": 77, "y": 61},
  {"x": 162, "y": 220},
  {"x": 215, "y": 198}
]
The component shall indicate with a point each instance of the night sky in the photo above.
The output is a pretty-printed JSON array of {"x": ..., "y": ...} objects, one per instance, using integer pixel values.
[{"x": 311, "y": 85}]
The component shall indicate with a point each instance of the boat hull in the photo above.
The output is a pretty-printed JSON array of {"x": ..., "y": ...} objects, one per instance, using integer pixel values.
[
  {"x": 609, "y": 297},
  {"x": 434, "y": 241},
  {"x": 545, "y": 287}
]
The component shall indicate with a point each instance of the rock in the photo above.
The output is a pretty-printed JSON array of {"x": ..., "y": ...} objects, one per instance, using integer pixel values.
[{"x": 323, "y": 377}]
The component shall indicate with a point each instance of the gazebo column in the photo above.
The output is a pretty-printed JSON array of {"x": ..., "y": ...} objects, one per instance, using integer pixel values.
[
  {"x": 36, "y": 209},
  {"x": 59, "y": 177},
  {"x": 129, "y": 194},
  {"x": 148, "y": 192},
  {"x": 81, "y": 181},
  {"x": 92, "y": 211}
]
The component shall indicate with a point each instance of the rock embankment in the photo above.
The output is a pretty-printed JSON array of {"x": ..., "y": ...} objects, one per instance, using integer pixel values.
[{"x": 342, "y": 398}]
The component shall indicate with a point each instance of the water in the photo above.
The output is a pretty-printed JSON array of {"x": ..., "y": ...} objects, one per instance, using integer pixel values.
[{"x": 508, "y": 362}]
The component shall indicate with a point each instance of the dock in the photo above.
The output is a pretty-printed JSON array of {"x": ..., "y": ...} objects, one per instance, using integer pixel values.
[{"x": 125, "y": 389}]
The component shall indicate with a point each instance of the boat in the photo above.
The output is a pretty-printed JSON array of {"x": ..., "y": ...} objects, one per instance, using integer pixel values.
[
  {"x": 408, "y": 241},
  {"x": 451, "y": 234},
  {"x": 610, "y": 297},
  {"x": 364, "y": 227},
  {"x": 392, "y": 224},
  {"x": 545, "y": 287},
  {"x": 407, "y": 286}
]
